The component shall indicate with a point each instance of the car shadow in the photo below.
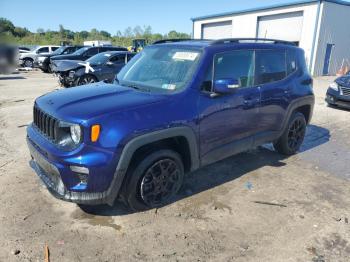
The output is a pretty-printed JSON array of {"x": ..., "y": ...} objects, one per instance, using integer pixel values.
[
  {"x": 339, "y": 108},
  {"x": 225, "y": 171},
  {"x": 12, "y": 78}
]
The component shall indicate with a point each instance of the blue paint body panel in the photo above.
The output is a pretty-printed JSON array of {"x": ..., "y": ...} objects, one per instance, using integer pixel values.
[{"x": 125, "y": 113}]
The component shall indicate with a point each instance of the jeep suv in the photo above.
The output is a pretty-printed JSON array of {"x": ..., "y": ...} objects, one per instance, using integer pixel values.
[{"x": 175, "y": 107}]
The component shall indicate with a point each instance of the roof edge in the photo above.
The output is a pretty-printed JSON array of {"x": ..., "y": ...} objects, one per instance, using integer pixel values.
[{"x": 264, "y": 8}]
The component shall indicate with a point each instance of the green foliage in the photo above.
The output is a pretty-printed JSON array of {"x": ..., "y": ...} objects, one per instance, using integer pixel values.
[{"x": 23, "y": 36}]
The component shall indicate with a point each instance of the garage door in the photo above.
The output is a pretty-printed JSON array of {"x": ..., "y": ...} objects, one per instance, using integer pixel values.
[
  {"x": 282, "y": 26},
  {"x": 217, "y": 30}
]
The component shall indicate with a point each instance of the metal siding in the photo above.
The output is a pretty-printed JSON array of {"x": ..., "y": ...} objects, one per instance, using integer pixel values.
[
  {"x": 286, "y": 26},
  {"x": 217, "y": 30},
  {"x": 334, "y": 29}
]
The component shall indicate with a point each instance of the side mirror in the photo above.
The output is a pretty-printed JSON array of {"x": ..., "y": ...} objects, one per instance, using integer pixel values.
[{"x": 226, "y": 85}]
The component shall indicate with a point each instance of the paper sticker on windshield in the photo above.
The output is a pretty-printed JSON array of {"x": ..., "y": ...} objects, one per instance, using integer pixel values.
[
  {"x": 108, "y": 55},
  {"x": 185, "y": 56},
  {"x": 169, "y": 86}
]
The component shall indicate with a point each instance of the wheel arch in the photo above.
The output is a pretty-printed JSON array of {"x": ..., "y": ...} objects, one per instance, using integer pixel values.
[{"x": 161, "y": 138}]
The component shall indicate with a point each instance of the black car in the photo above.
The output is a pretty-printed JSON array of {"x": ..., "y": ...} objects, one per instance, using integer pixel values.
[
  {"x": 44, "y": 62},
  {"x": 101, "y": 67},
  {"x": 86, "y": 52},
  {"x": 338, "y": 93}
]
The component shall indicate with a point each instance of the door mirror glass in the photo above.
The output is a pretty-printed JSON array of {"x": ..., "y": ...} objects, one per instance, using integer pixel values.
[{"x": 226, "y": 85}]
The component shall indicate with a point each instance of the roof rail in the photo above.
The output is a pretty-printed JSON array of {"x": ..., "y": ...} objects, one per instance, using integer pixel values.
[
  {"x": 239, "y": 40},
  {"x": 171, "y": 41}
]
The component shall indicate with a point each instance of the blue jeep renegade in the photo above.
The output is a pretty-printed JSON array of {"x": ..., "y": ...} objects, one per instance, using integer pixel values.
[{"x": 175, "y": 107}]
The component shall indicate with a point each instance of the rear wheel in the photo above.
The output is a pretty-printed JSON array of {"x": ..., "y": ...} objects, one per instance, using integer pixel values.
[
  {"x": 87, "y": 79},
  {"x": 292, "y": 138},
  {"x": 154, "y": 181}
]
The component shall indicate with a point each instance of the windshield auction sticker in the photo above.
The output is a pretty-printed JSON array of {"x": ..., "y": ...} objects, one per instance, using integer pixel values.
[{"x": 185, "y": 56}]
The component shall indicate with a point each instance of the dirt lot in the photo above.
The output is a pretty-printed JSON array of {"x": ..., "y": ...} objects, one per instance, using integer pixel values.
[{"x": 216, "y": 217}]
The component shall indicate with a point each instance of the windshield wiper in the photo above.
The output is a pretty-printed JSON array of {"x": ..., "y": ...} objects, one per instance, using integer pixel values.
[{"x": 136, "y": 87}]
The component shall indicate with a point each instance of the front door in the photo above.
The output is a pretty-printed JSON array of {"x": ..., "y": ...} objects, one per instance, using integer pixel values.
[{"x": 227, "y": 122}]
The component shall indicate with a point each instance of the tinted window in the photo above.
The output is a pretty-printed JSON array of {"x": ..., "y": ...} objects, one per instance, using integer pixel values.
[
  {"x": 54, "y": 48},
  {"x": 270, "y": 66},
  {"x": 43, "y": 50},
  {"x": 291, "y": 62},
  {"x": 237, "y": 65},
  {"x": 118, "y": 59},
  {"x": 91, "y": 52},
  {"x": 130, "y": 56}
]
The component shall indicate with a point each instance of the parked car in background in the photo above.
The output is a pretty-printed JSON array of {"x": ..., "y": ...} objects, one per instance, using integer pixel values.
[
  {"x": 86, "y": 52},
  {"x": 174, "y": 108},
  {"x": 101, "y": 67},
  {"x": 338, "y": 93},
  {"x": 43, "y": 61},
  {"x": 27, "y": 59},
  {"x": 8, "y": 58}
]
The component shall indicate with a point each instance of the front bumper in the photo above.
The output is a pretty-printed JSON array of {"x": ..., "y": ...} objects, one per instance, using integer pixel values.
[
  {"x": 65, "y": 184},
  {"x": 335, "y": 98}
]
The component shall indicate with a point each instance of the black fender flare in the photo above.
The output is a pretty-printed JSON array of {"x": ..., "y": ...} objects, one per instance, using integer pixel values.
[
  {"x": 295, "y": 104},
  {"x": 142, "y": 140}
]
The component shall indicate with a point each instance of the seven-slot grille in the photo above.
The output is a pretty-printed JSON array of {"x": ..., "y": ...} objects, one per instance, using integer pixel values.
[
  {"x": 45, "y": 123},
  {"x": 345, "y": 90}
]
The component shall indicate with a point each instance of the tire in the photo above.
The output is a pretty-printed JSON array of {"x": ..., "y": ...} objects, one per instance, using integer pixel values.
[
  {"x": 154, "y": 181},
  {"x": 293, "y": 136},
  {"x": 28, "y": 62},
  {"x": 87, "y": 79}
]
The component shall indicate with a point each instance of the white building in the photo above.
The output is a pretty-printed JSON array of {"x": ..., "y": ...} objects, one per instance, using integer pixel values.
[
  {"x": 98, "y": 43},
  {"x": 320, "y": 27}
]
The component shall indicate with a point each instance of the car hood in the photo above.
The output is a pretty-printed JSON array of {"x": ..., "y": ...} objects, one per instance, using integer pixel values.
[
  {"x": 66, "y": 65},
  {"x": 343, "y": 81},
  {"x": 86, "y": 102}
]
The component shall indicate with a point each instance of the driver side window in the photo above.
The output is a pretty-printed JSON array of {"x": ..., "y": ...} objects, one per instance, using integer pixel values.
[{"x": 238, "y": 65}]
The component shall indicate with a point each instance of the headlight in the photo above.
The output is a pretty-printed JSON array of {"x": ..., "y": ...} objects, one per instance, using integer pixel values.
[
  {"x": 75, "y": 133},
  {"x": 69, "y": 135},
  {"x": 334, "y": 86}
]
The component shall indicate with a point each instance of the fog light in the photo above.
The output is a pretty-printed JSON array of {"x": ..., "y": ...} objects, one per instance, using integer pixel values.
[
  {"x": 83, "y": 178},
  {"x": 79, "y": 169}
]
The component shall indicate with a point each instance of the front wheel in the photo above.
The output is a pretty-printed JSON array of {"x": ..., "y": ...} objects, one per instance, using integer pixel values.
[
  {"x": 28, "y": 62},
  {"x": 87, "y": 79},
  {"x": 293, "y": 136},
  {"x": 155, "y": 180}
]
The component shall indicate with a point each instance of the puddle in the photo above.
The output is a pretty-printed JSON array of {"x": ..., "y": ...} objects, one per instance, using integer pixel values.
[{"x": 93, "y": 220}]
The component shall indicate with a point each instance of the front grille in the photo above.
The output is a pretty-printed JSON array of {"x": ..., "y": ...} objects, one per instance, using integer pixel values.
[
  {"x": 345, "y": 91},
  {"x": 45, "y": 123}
]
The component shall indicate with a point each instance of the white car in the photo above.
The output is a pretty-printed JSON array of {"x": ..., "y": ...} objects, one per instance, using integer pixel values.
[{"x": 27, "y": 59}]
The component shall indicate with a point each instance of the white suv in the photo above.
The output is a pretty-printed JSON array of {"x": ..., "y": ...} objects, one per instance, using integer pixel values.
[{"x": 28, "y": 59}]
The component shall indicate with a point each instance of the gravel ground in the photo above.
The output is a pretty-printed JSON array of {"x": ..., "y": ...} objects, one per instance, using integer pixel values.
[{"x": 221, "y": 213}]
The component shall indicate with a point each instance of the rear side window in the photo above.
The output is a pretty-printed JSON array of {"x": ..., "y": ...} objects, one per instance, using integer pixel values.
[
  {"x": 54, "y": 48},
  {"x": 91, "y": 51},
  {"x": 118, "y": 59},
  {"x": 291, "y": 62},
  {"x": 270, "y": 66},
  {"x": 43, "y": 50},
  {"x": 237, "y": 64}
]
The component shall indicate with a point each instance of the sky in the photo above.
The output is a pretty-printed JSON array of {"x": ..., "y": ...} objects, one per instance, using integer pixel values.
[{"x": 111, "y": 16}]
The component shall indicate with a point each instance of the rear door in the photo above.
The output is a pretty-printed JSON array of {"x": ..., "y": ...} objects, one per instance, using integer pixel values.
[{"x": 273, "y": 75}]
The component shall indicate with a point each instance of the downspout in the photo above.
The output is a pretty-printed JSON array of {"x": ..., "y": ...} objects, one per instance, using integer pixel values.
[
  {"x": 192, "y": 29},
  {"x": 315, "y": 35}
]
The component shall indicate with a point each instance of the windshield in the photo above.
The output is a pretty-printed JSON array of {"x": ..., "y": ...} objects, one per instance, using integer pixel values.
[
  {"x": 99, "y": 59},
  {"x": 81, "y": 51},
  {"x": 158, "y": 68},
  {"x": 59, "y": 50}
]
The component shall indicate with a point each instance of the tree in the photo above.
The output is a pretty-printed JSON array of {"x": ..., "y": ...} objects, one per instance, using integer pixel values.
[
  {"x": 84, "y": 34},
  {"x": 105, "y": 34},
  {"x": 40, "y": 31},
  {"x": 6, "y": 25}
]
